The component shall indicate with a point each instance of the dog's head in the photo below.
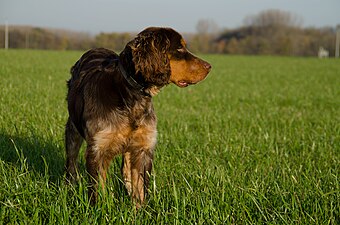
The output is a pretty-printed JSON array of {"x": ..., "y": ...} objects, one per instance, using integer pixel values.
[{"x": 161, "y": 57}]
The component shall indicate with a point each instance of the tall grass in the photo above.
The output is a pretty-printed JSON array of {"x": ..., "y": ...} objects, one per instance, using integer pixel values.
[{"x": 257, "y": 142}]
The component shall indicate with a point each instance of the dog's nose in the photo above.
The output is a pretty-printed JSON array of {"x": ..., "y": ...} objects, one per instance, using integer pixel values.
[{"x": 207, "y": 66}]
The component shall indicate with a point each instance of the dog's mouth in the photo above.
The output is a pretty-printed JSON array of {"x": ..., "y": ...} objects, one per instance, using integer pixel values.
[{"x": 184, "y": 83}]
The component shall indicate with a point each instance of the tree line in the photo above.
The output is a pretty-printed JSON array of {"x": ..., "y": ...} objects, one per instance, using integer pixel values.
[
  {"x": 56, "y": 39},
  {"x": 275, "y": 32},
  {"x": 271, "y": 32}
]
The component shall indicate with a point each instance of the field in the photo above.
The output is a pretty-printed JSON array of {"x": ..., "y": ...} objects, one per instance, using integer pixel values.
[{"x": 257, "y": 142}]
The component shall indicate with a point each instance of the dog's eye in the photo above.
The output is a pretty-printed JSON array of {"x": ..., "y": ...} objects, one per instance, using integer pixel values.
[{"x": 180, "y": 49}]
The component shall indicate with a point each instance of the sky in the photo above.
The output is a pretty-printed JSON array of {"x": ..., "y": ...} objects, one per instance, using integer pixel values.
[{"x": 94, "y": 16}]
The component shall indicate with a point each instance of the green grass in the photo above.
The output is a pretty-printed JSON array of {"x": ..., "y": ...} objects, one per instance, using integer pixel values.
[{"x": 258, "y": 142}]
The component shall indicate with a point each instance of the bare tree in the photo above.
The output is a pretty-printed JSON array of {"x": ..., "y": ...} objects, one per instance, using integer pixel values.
[
  {"x": 207, "y": 31},
  {"x": 274, "y": 18},
  {"x": 206, "y": 26}
]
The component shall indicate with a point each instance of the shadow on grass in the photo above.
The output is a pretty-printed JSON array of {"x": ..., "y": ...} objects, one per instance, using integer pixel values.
[{"x": 42, "y": 156}]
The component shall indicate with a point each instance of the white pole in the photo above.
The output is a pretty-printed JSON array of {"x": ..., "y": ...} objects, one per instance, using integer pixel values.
[
  {"x": 337, "y": 42},
  {"x": 6, "y": 35},
  {"x": 27, "y": 39}
]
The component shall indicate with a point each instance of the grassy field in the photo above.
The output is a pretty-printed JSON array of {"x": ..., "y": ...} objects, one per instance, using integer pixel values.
[{"x": 258, "y": 142}]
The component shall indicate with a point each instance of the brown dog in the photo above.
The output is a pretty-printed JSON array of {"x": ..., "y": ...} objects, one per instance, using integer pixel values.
[{"x": 110, "y": 105}]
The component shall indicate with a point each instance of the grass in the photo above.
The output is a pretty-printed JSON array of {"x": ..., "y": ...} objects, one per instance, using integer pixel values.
[{"x": 257, "y": 142}]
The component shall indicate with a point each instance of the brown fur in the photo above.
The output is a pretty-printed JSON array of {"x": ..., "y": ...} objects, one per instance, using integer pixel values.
[{"x": 116, "y": 116}]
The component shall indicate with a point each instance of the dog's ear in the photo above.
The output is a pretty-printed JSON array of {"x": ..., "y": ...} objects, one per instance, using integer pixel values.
[{"x": 149, "y": 52}]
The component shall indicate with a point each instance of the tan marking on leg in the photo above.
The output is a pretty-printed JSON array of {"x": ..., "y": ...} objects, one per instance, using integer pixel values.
[
  {"x": 141, "y": 148},
  {"x": 126, "y": 171},
  {"x": 106, "y": 143},
  {"x": 110, "y": 141}
]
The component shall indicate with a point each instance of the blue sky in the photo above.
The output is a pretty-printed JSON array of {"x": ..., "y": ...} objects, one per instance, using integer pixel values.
[{"x": 132, "y": 15}]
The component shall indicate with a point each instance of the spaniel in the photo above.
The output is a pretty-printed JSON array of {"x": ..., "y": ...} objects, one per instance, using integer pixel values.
[{"x": 110, "y": 105}]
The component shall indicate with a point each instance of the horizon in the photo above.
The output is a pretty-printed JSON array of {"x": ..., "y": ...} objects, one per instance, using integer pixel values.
[
  {"x": 133, "y": 16},
  {"x": 70, "y": 30}
]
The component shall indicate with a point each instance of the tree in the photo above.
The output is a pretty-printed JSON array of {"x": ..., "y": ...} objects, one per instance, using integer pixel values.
[
  {"x": 273, "y": 18},
  {"x": 206, "y": 26},
  {"x": 206, "y": 31},
  {"x": 114, "y": 41}
]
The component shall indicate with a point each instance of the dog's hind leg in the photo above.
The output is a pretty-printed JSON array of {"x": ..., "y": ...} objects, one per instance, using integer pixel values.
[
  {"x": 92, "y": 167},
  {"x": 73, "y": 141}
]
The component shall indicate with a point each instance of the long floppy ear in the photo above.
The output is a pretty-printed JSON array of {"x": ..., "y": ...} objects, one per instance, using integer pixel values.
[{"x": 149, "y": 52}]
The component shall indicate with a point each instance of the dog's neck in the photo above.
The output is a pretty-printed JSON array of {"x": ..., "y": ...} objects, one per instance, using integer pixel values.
[
  {"x": 133, "y": 83},
  {"x": 135, "y": 80}
]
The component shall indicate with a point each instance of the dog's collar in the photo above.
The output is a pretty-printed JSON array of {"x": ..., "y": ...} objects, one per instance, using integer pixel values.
[
  {"x": 132, "y": 82},
  {"x": 129, "y": 78}
]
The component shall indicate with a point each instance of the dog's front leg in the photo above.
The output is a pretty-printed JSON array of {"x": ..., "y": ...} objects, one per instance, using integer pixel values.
[
  {"x": 97, "y": 163},
  {"x": 141, "y": 166},
  {"x": 141, "y": 150},
  {"x": 126, "y": 171}
]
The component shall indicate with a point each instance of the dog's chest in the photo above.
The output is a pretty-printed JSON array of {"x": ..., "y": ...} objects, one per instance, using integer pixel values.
[
  {"x": 141, "y": 115},
  {"x": 134, "y": 128}
]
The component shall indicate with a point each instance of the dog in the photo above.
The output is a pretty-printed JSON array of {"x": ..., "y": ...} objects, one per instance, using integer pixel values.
[{"x": 110, "y": 106}]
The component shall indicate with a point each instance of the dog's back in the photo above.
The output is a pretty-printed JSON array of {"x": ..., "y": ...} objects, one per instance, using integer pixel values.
[{"x": 94, "y": 60}]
